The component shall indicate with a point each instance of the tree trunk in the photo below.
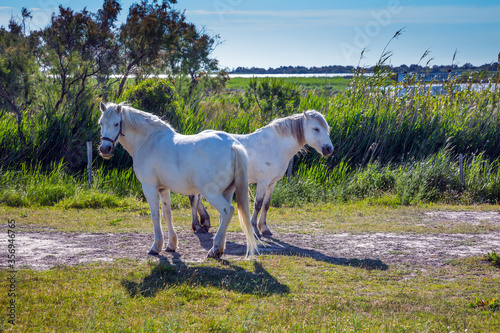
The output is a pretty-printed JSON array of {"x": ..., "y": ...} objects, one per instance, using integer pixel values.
[
  {"x": 127, "y": 73},
  {"x": 19, "y": 115}
]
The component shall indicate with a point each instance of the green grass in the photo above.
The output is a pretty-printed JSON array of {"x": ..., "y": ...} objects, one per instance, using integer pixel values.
[
  {"x": 368, "y": 126},
  {"x": 435, "y": 179},
  {"x": 325, "y": 84},
  {"x": 493, "y": 258},
  {"x": 271, "y": 294}
]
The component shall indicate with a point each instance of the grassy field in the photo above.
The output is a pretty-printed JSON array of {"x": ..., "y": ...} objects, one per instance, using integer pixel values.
[
  {"x": 358, "y": 217},
  {"x": 272, "y": 293},
  {"x": 326, "y": 84}
]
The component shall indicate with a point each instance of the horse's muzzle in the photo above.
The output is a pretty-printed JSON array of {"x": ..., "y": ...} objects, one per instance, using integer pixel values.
[
  {"x": 327, "y": 150},
  {"x": 105, "y": 150}
]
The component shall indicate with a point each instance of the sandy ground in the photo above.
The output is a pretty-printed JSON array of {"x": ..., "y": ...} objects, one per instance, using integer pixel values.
[{"x": 43, "y": 250}]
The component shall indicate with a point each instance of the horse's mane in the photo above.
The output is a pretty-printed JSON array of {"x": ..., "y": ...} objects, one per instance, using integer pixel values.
[
  {"x": 140, "y": 119},
  {"x": 294, "y": 125}
]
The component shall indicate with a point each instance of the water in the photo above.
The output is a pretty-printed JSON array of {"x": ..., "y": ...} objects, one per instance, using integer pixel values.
[{"x": 234, "y": 75}]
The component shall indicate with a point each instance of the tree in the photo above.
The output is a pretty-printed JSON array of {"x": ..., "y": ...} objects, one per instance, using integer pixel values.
[
  {"x": 17, "y": 69},
  {"x": 193, "y": 52},
  {"x": 79, "y": 45},
  {"x": 149, "y": 31},
  {"x": 105, "y": 42}
]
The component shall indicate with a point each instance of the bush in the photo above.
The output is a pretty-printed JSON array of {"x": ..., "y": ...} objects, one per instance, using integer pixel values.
[
  {"x": 493, "y": 257},
  {"x": 157, "y": 96},
  {"x": 274, "y": 97}
]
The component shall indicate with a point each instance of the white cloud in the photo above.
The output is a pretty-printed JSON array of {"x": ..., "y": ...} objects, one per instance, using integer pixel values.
[{"x": 354, "y": 17}]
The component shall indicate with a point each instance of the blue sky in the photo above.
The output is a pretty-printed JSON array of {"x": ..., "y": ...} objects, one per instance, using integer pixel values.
[{"x": 325, "y": 32}]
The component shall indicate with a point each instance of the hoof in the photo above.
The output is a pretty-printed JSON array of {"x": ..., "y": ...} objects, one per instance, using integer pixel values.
[
  {"x": 169, "y": 250},
  {"x": 267, "y": 233},
  {"x": 214, "y": 255},
  {"x": 256, "y": 232},
  {"x": 206, "y": 227},
  {"x": 153, "y": 253},
  {"x": 200, "y": 230}
]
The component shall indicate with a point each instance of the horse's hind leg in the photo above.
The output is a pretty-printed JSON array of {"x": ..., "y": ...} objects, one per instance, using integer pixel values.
[
  {"x": 264, "y": 229},
  {"x": 151, "y": 194},
  {"x": 195, "y": 223},
  {"x": 259, "y": 200},
  {"x": 225, "y": 214},
  {"x": 204, "y": 217},
  {"x": 167, "y": 216}
]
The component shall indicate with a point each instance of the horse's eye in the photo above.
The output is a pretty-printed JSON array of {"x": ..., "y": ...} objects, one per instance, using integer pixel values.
[
  {"x": 316, "y": 129},
  {"x": 116, "y": 125}
]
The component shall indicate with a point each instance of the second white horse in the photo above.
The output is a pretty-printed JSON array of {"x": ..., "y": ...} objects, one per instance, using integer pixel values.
[{"x": 270, "y": 148}]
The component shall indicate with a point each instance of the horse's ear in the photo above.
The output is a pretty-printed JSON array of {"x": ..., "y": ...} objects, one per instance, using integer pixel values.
[
  {"x": 305, "y": 114},
  {"x": 118, "y": 108},
  {"x": 102, "y": 107}
]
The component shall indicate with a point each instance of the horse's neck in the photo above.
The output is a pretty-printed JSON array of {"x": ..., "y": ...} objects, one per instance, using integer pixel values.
[
  {"x": 129, "y": 142},
  {"x": 288, "y": 143},
  {"x": 133, "y": 140}
]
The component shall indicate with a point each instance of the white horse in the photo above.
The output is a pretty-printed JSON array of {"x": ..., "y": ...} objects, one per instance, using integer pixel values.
[
  {"x": 211, "y": 164},
  {"x": 270, "y": 150}
]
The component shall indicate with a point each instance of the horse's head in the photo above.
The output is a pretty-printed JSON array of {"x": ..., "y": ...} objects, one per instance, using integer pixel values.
[
  {"x": 111, "y": 127},
  {"x": 316, "y": 132}
]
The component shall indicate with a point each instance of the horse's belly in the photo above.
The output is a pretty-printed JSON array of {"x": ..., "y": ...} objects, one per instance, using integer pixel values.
[{"x": 181, "y": 186}]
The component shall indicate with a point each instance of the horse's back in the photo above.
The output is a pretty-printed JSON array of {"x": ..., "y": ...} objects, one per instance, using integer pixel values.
[{"x": 188, "y": 163}]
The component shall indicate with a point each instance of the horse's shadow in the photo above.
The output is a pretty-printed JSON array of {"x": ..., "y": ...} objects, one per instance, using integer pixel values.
[
  {"x": 206, "y": 242},
  {"x": 206, "y": 239},
  {"x": 271, "y": 245},
  {"x": 230, "y": 277},
  {"x": 276, "y": 246}
]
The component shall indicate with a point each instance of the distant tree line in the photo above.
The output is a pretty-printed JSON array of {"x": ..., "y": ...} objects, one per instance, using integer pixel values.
[{"x": 349, "y": 69}]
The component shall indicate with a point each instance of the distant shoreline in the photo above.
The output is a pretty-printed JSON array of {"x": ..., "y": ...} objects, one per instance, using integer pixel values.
[{"x": 345, "y": 75}]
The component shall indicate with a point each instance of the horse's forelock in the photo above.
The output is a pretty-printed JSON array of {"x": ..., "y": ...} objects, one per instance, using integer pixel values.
[
  {"x": 294, "y": 125},
  {"x": 319, "y": 118}
]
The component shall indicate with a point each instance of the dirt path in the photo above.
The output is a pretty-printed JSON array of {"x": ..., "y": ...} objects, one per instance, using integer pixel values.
[{"x": 42, "y": 250}]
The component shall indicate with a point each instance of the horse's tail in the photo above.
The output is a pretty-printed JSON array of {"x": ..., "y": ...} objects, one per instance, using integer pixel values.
[{"x": 241, "y": 188}]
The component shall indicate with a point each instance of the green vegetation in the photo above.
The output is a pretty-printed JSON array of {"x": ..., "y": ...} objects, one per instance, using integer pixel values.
[
  {"x": 435, "y": 179},
  {"x": 250, "y": 296},
  {"x": 494, "y": 259},
  {"x": 319, "y": 84}
]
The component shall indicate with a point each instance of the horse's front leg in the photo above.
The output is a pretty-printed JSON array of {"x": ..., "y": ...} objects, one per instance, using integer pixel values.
[
  {"x": 264, "y": 229},
  {"x": 151, "y": 194},
  {"x": 167, "y": 216}
]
